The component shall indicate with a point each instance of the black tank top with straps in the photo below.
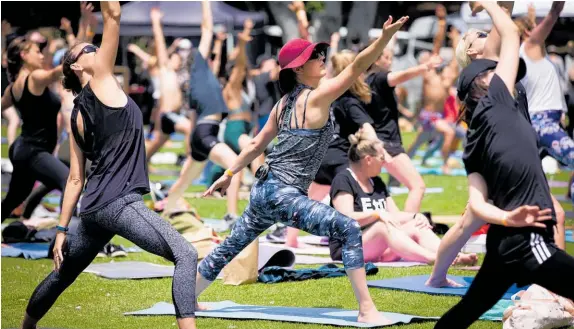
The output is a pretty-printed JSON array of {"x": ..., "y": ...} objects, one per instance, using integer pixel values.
[
  {"x": 39, "y": 118},
  {"x": 113, "y": 140}
]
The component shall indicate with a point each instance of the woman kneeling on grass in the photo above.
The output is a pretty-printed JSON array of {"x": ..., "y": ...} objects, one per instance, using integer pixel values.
[
  {"x": 301, "y": 122},
  {"x": 388, "y": 233}
]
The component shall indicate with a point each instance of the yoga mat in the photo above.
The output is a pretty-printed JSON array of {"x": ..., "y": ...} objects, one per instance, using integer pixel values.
[
  {"x": 329, "y": 316},
  {"x": 218, "y": 225},
  {"x": 436, "y": 171},
  {"x": 403, "y": 190},
  {"x": 130, "y": 270},
  {"x": 417, "y": 284},
  {"x": 557, "y": 184},
  {"x": 569, "y": 237},
  {"x": 436, "y": 154},
  {"x": 268, "y": 256},
  {"x": 52, "y": 199},
  {"x": 314, "y": 240},
  {"x": 315, "y": 260},
  {"x": 177, "y": 137},
  {"x": 26, "y": 250}
]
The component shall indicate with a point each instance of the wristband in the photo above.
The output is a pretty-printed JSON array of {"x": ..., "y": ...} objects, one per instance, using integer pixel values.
[
  {"x": 504, "y": 219},
  {"x": 62, "y": 229},
  {"x": 229, "y": 173}
]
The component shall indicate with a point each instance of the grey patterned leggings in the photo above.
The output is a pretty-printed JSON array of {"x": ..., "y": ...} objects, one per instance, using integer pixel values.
[
  {"x": 130, "y": 218},
  {"x": 273, "y": 201}
]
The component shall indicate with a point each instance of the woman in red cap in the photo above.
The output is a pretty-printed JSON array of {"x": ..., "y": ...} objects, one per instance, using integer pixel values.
[{"x": 302, "y": 125}]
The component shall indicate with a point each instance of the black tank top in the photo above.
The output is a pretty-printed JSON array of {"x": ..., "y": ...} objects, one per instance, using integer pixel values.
[
  {"x": 39, "y": 118},
  {"x": 114, "y": 142}
]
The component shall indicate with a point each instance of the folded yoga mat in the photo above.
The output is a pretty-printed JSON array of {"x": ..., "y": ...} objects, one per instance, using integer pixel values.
[
  {"x": 328, "y": 316},
  {"x": 268, "y": 256},
  {"x": 417, "y": 284},
  {"x": 315, "y": 260},
  {"x": 26, "y": 250}
]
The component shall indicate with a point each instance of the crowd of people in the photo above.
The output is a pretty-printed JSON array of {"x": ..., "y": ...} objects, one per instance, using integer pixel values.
[{"x": 315, "y": 125}]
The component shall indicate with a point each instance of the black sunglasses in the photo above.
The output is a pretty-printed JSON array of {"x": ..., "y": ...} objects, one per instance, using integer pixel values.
[
  {"x": 86, "y": 50},
  {"x": 317, "y": 54}
]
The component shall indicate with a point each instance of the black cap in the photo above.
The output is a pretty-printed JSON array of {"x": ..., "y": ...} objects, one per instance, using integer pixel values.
[{"x": 475, "y": 68}]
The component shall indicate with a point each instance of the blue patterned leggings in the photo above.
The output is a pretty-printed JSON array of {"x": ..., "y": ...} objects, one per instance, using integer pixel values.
[
  {"x": 553, "y": 138},
  {"x": 273, "y": 201}
]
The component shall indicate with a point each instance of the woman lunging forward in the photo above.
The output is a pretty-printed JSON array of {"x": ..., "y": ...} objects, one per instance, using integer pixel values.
[
  {"x": 301, "y": 122},
  {"x": 502, "y": 163},
  {"x": 107, "y": 128}
]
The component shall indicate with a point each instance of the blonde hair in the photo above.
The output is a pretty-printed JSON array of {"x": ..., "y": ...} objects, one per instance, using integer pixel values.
[
  {"x": 361, "y": 146},
  {"x": 360, "y": 88},
  {"x": 463, "y": 45}
]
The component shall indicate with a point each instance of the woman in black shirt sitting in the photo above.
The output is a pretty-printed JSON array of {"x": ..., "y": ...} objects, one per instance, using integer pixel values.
[{"x": 388, "y": 233}]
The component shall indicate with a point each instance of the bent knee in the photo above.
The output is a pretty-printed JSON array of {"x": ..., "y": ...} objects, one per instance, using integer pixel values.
[{"x": 184, "y": 251}]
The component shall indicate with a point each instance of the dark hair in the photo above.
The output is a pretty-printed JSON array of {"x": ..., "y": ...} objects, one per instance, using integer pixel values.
[
  {"x": 15, "y": 61},
  {"x": 71, "y": 80},
  {"x": 288, "y": 81}
]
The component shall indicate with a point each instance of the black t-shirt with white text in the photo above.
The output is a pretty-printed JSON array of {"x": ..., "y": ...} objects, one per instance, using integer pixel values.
[
  {"x": 384, "y": 108},
  {"x": 502, "y": 147},
  {"x": 344, "y": 182}
]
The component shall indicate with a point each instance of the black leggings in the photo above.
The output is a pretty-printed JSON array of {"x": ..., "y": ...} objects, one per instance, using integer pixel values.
[
  {"x": 130, "y": 218},
  {"x": 495, "y": 278},
  {"x": 31, "y": 164}
]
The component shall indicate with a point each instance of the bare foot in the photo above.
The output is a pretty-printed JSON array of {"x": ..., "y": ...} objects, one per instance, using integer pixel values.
[
  {"x": 466, "y": 259},
  {"x": 442, "y": 283},
  {"x": 373, "y": 317},
  {"x": 200, "y": 307}
]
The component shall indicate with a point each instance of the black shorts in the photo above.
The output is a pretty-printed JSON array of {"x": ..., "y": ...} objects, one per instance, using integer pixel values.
[
  {"x": 393, "y": 148},
  {"x": 328, "y": 171},
  {"x": 168, "y": 122},
  {"x": 203, "y": 139}
]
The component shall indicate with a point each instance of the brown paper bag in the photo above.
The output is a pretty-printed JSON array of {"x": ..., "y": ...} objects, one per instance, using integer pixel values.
[{"x": 243, "y": 269}]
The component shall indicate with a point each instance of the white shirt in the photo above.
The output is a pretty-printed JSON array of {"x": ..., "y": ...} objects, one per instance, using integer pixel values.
[{"x": 542, "y": 85}]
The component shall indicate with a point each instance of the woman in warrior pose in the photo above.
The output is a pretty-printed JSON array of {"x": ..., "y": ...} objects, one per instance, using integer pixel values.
[
  {"x": 301, "y": 122},
  {"x": 107, "y": 128}
]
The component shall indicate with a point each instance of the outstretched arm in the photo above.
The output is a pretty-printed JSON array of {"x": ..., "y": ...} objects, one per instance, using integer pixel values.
[
  {"x": 67, "y": 27},
  {"x": 238, "y": 72},
  {"x": 298, "y": 7},
  {"x": 438, "y": 40},
  {"x": 142, "y": 55},
  {"x": 206, "y": 29},
  {"x": 332, "y": 89},
  {"x": 106, "y": 56},
  {"x": 158, "y": 37},
  {"x": 541, "y": 31},
  {"x": 396, "y": 78},
  {"x": 492, "y": 44}
]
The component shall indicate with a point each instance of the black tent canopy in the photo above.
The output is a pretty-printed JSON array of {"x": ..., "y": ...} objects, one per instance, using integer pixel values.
[{"x": 180, "y": 18}]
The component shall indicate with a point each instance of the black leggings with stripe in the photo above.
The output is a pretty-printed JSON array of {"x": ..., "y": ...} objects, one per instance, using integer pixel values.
[{"x": 496, "y": 277}]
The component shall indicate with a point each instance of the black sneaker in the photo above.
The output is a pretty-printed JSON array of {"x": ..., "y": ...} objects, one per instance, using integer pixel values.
[
  {"x": 116, "y": 251},
  {"x": 279, "y": 235}
]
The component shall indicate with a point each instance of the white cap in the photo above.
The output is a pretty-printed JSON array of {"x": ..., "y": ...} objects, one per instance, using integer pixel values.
[{"x": 184, "y": 44}]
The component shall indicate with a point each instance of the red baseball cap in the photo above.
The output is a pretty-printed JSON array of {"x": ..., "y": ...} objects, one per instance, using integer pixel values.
[{"x": 296, "y": 53}]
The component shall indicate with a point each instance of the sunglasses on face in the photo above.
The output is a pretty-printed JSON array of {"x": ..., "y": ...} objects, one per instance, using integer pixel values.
[
  {"x": 86, "y": 50},
  {"x": 317, "y": 54}
]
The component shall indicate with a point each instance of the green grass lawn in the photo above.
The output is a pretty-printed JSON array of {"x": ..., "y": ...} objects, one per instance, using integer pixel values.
[{"x": 93, "y": 302}]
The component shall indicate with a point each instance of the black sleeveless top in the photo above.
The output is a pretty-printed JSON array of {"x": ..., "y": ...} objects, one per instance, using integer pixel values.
[
  {"x": 39, "y": 118},
  {"x": 114, "y": 142}
]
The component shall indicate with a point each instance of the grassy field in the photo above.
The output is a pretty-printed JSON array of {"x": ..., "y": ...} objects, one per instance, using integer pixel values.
[{"x": 93, "y": 302}]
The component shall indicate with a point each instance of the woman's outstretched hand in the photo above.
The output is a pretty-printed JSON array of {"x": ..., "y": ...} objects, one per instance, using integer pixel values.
[
  {"x": 528, "y": 216},
  {"x": 390, "y": 28},
  {"x": 221, "y": 184}
]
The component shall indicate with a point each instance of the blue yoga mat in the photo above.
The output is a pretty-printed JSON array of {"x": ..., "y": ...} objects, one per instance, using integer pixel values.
[
  {"x": 329, "y": 316},
  {"x": 417, "y": 284},
  {"x": 436, "y": 171},
  {"x": 569, "y": 236},
  {"x": 177, "y": 137},
  {"x": 26, "y": 250}
]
